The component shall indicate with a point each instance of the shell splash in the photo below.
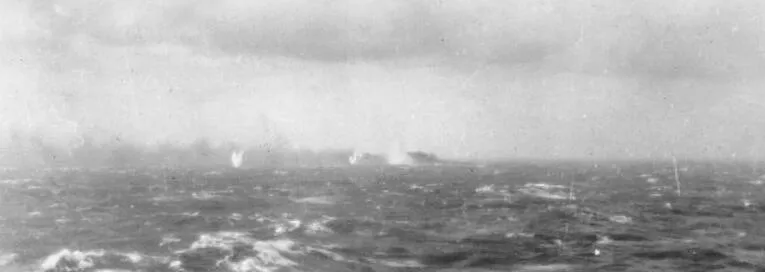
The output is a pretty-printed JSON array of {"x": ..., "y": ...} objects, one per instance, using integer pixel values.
[{"x": 236, "y": 158}]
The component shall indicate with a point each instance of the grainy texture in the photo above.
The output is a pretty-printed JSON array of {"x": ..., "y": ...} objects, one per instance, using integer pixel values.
[{"x": 515, "y": 217}]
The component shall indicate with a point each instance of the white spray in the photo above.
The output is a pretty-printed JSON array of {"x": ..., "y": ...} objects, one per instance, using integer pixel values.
[
  {"x": 355, "y": 158},
  {"x": 398, "y": 156},
  {"x": 237, "y": 156}
]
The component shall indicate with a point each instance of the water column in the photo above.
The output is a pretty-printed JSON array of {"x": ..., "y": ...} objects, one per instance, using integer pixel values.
[{"x": 237, "y": 157}]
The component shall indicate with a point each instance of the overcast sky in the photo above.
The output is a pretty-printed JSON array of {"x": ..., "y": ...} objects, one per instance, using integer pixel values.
[{"x": 462, "y": 78}]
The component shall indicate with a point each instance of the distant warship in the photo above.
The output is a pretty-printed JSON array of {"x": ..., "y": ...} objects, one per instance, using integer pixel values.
[{"x": 408, "y": 158}]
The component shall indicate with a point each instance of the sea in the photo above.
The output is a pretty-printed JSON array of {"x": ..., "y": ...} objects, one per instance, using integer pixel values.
[{"x": 510, "y": 216}]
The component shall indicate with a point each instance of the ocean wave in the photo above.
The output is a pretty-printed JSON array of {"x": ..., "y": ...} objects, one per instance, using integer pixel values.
[{"x": 98, "y": 260}]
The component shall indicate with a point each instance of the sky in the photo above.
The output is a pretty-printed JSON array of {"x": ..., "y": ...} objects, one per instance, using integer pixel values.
[{"x": 460, "y": 78}]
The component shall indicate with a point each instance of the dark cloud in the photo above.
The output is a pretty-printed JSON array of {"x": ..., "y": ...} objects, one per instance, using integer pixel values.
[
  {"x": 334, "y": 33},
  {"x": 712, "y": 47},
  {"x": 650, "y": 39},
  {"x": 329, "y": 31},
  {"x": 539, "y": 76}
]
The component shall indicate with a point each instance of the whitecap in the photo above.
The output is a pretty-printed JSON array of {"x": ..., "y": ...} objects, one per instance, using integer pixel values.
[
  {"x": 80, "y": 259},
  {"x": 416, "y": 187},
  {"x": 14, "y": 181},
  {"x": 544, "y": 267},
  {"x": 165, "y": 198},
  {"x": 235, "y": 216},
  {"x": 485, "y": 189},
  {"x": 203, "y": 195},
  {"x": 76, "y": 260},
  {"x": 133, "y": 257},
  {"x": 544, "y": 194},
  {"x": 190, "y": 214},
  {"x": 319, "y": 226},
  {"x": 169, "y": 239},
  {"x": 544, "y": 186},
  {"x": 621, "y": 219},
  {"x": 400, "y": 263},
  {"x": 8, "y": 258},
  {"x": 320, "y": 200},
  {"x": 268, "y": 254},
  {"x": 212, "y": 173},
  {"x": 287, "y": 226}
]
